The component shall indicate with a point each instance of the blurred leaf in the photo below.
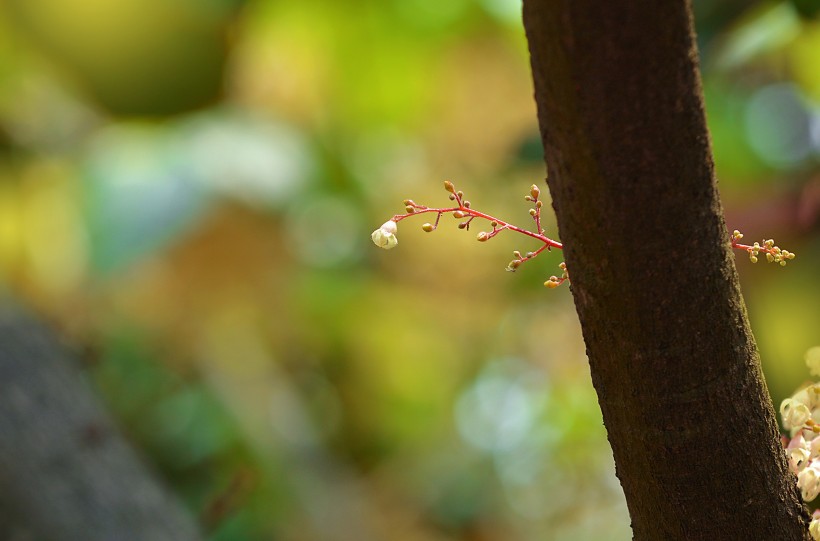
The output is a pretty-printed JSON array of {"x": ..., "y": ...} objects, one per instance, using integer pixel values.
[
  {"x": 140, "y": 194},
  {"x": 136, "y": 57},
  {"x": 189, "y": 426},
  {"x": 762, "y": 30},
  {"x": 258, "y": 161},
  {"x": 778, "y": 125},
  {"x": 804, "y": 57},
  {"x": 806, "y": 8},
  {"x": 735, "y": 161},
  {"x": 129, "y": 377}
]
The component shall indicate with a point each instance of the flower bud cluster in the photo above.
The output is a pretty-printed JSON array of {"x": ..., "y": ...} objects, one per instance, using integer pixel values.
[
  {"x": 774, "y": 254},
  {"x": 800, "y": 415},
  {"x": 555, "y": 281},
  {"x": 385, "y": 236}
]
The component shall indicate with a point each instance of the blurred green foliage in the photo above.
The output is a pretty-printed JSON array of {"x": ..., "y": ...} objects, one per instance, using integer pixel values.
[{"x": 187, "y": 188}]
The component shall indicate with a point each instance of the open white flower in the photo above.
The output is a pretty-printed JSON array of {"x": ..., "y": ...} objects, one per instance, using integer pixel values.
[
  {"x": 794, "y": 413},
  {"x": 798, "y": 459},
  {"x": 809, "y": 395},
  {"x": 808, "y": 481},
  {"x": 385, "y": 236},
  {"x": 814, "y": 527}
]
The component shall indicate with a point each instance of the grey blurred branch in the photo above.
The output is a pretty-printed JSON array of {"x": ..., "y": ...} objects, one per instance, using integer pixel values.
[{"x": 66, "y": 473}]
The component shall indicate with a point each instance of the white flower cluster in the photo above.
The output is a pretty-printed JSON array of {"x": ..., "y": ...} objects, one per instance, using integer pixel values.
[{"x": 800, "y": 415}]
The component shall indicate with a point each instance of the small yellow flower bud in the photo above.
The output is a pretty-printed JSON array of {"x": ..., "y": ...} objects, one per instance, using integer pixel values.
[
  {"x": 533, "y": 212},
  {"x": 458, "y": 214},
  {"x": 550, "y": 284},
  {"x": 535, "y": 191},
  {"x": 514, "y": 264},
  {"x": 483, "y": 236},
  {"x": 769, "y": 258},
  {"x": 782, "y": 263},
  {"x": 449, "y": 186},
  {"x": 791, "y": 255},
  {"x": 753, "y": 259},
  {"x": 427, "y": 227},
  {"x": 409, "y": 209}
]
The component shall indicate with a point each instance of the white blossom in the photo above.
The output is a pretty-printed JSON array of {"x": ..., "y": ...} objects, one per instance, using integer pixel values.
[
  {"x": 814, "y": 529},
  {"x": 798, "y": 441},
  {"x": 794, "y": 413},
  {"x": 798, "y": 458},
  {"x": 809, "y": 395},
  {"x": 385, "y": 236},
  {"x": 808, "y": 481}
]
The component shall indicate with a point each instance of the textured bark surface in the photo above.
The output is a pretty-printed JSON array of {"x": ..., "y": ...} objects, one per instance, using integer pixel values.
[
  {"x": 672, "y": 356},
  {"x": 66, "y": 474}
]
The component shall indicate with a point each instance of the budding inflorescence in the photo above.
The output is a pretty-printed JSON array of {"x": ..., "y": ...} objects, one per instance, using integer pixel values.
[
  {"x": 385, "y": 236},
  {"x": 774, "y": 254},
  {"x": 555, "y": 281}
]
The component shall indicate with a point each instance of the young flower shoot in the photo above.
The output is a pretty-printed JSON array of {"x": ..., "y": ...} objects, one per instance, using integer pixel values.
[
  {"x": 461, "y": 209},
  {"x": 385, "y": 236}
]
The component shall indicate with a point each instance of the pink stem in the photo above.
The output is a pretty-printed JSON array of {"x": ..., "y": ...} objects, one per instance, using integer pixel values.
[{"x": 421, "y": 209}]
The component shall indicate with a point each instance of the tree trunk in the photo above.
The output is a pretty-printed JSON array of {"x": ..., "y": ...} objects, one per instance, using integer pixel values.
[
  {"x": 672, "y": 357},
  {"x": 66, "y": 474}
]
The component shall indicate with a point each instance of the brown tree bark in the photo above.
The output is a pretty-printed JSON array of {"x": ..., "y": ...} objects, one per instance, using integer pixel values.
[
  {"x": 66, "y": 473},
  {"x": 672, "y": 356}
]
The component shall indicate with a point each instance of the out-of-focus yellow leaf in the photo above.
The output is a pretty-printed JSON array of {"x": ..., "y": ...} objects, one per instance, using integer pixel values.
[
  {"x": 804, "y": 55},
  {"x": 52, "y": 229}
]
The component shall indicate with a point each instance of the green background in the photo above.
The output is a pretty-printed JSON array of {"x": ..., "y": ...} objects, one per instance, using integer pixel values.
[{"x": 187, "y": 190}]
